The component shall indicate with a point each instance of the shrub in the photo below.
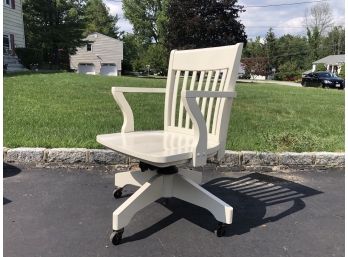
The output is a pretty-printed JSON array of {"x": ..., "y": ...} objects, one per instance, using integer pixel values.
[
  {"x": 342, "y": 72},
  {"x": 29, "y": 57},
  {"x": 321, "y": 67},
  {"x": 288, "y": 71}
]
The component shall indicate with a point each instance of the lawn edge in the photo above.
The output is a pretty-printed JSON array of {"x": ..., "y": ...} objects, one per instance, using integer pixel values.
[{"x": 232, "y": 161}]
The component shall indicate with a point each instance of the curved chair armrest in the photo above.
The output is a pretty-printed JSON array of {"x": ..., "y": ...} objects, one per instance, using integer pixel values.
[
  {"x": 199, "y": 126},
  {"x": 128, "y": 118}
]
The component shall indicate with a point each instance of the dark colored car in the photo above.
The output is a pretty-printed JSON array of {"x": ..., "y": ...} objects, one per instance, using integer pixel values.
[{"x": 322, "y": 79}]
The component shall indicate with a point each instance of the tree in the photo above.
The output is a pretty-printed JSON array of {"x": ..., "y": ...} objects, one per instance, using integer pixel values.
[
  {"x": 319, "y": 18},
  {"x": 271, "y": 49},
  {"x": 149, "y": 19},
  {"x": 98, "y": 19},
  {"x": 55, "y": 26},
  {"x": 334, "y": 42},
  {"x": 255, "y": 66},
  {"x": 314, "y": 41},
  {"x": 197, "y": 23}
]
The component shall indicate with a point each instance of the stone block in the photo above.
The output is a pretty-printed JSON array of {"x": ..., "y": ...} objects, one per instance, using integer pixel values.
[
  {"x": 25, "y": 155},
  {"x": 67, "y": 155},
  {"x": 99, "y": 156},
  {"x": 304, "y": 159},
  {"x": 329, "y": 159}
]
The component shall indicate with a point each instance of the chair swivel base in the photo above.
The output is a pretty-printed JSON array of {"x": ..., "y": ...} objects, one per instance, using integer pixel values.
[{"x": 154, "y": 184}]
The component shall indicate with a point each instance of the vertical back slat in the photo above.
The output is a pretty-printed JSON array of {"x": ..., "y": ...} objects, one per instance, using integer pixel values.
[
  {"x": 206, "y": 88},
  {"x": 218, "y": 101},
  {"x": 200, "y": 84},
  {"x": 211, "y": 100},
  {"x": 175, "y": 96},
  {"x": 181, "y": 108},
  {"x": 192, "y": 86}
]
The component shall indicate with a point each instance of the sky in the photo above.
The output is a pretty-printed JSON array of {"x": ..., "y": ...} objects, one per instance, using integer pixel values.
[{"x": 257, "y": 20}]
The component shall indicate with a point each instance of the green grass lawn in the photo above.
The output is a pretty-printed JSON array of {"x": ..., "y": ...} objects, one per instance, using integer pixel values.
[{"x": 69, "y": 110}]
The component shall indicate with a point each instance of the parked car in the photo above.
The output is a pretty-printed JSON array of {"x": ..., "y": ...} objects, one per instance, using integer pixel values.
[{"x": 322, "y": 79}]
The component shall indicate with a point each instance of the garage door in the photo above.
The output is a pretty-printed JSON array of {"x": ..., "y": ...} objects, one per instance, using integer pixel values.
[
  {"x": 109, "y": 69},
  {"x": 86, "y": 68}
]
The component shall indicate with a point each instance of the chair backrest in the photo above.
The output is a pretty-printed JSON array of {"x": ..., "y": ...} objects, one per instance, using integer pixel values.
[{"x": 206, "y": 69}]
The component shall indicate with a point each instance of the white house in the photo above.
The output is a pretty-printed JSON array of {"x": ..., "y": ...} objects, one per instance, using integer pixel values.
[
  {"x": 101, "y": 55},
  {"x": 13, "y": 33},
  {"x": 333, "y": 63}
]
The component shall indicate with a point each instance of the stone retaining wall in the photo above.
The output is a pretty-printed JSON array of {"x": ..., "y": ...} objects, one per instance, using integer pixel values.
[{"x": 233, "y": 161}]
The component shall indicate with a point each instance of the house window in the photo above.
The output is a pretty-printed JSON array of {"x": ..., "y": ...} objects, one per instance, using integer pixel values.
[
  {"x": 89, "y": 47},
  {"x": 7, "y": 44},
  {"x": 7, "y": 2}
]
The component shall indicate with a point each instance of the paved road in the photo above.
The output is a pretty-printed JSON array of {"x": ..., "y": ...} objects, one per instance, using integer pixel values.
[
  {"x": 284, "y": 83},
  {"x": 67, "y": 213}
]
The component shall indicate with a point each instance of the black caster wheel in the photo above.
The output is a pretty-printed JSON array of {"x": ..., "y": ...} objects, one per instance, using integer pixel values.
[
  {"x": 118, "y": 192},
  {"x": 220, "y": 230},
  {"x": 116, "y": 236}
]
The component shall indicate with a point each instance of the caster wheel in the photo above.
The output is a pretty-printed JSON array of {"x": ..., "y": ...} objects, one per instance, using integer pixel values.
[
  {"x": 220, "y": 230},
  {"x": 118, "y": 192},
  {"x": 116, "y": 236}
]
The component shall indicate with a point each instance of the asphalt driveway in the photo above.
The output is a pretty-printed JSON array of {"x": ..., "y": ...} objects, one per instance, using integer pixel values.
[{"x": 60, "y": 212}]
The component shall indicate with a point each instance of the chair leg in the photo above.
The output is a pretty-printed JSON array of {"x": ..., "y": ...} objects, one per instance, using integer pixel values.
[
  {"x": 135, "y": 178},
  {"x": 187, "y": 190},
  {"x": 149, "y": 192},
  {"x": 196, "y": 176}
]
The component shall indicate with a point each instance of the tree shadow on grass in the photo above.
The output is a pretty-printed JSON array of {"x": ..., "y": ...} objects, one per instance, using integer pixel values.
[
  {"x": 28, "y": 73},
  {"x": 249, "y": 195}
]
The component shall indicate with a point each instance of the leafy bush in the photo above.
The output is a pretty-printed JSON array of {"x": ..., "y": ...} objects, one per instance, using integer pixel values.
[
  {"x": 29, "y": 57},
  {"x": 342, "y": 72},
  {"x": 321, "y": 67},
  {"x": 288, "y": 71}
]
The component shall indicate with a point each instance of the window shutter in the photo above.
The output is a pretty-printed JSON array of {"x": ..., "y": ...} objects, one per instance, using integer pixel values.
[
  {"x": 12, "y": 42},
  {"x": 13, "y": 4}
]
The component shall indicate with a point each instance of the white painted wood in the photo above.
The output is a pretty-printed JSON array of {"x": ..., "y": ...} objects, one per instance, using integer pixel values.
[
  {"x": 128, "y": 118},
  {"x": 175, "y": 185},
  {"x": 161, "y": 148},
  {"x": 134, "y": 178},
  {"x": 146, "y": 194},
  {"x": 181, "y": 107},
  {"x": 194, "y": 175},
  {"x": 177, "y": 143},
  {"x": 175, "y": 93},
  {"x": 192, "y": 86},
  {"x": 199, "y": 155},
  {"x": 187, "y": 190}
]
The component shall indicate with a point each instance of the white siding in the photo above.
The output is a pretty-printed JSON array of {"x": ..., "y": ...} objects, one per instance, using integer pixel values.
[
  {"x": 104, "y": 50},
  {"x": 13, "y": 23}
]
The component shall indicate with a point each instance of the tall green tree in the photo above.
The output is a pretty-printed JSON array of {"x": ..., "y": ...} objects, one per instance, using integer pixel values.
[
  {"x": 197, "y": 23},
  {"x": 149, "y": 19},
  {"x": 334, "y": 42},
  {"x": 99, "y": 19},
  {"x": 55, "y": 26},
  {"x": 271, "y": 48}
]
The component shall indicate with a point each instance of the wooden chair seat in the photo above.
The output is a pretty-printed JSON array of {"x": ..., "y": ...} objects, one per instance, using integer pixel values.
[{"x": 161, "y": 148}]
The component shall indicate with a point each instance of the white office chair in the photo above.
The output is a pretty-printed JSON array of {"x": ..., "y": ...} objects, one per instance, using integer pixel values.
[{"x": 196, "y": 118}]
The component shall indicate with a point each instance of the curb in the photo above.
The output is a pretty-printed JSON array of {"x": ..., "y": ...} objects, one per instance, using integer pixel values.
[{"x": 232, "y": 161}]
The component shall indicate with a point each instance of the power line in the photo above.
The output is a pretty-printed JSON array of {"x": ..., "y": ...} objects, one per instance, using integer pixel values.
[{"x": 274, "y": 5}]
